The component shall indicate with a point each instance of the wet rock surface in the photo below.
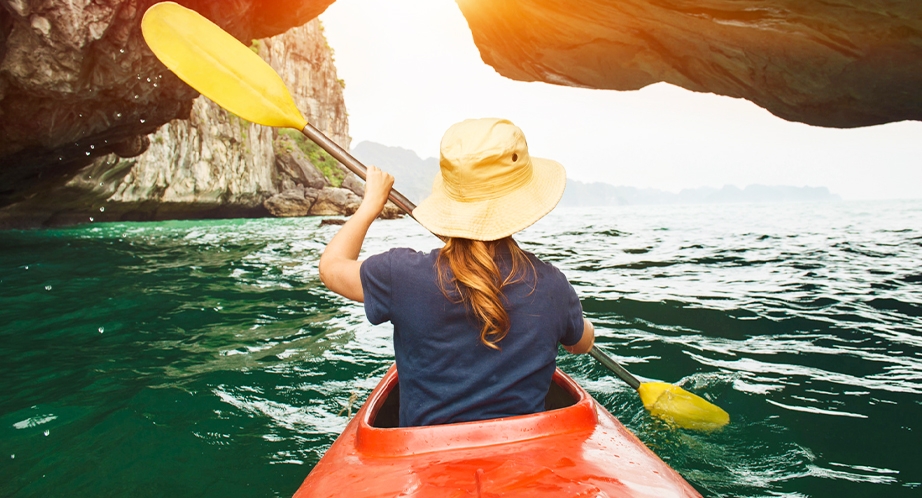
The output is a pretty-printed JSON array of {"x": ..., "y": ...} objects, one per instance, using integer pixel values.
[{"x": 840, "y": 64}]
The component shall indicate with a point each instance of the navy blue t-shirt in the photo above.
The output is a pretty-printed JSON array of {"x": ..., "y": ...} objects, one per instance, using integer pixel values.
[{"x": 446, "y": 373}]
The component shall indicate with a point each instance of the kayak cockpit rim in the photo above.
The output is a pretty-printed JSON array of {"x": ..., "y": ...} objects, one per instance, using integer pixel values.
[{"x": 373, "y": 440}]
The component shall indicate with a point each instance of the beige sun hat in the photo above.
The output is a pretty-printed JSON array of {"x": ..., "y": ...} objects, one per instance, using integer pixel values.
[{"x": 488, "y": 186}]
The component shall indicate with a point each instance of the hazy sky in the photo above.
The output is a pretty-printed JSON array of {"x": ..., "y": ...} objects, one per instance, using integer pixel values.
[{"x": 412, "y": 69}]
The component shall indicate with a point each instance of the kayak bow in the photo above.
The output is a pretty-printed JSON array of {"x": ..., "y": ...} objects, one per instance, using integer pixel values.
[{"x": 575, "y": 448}]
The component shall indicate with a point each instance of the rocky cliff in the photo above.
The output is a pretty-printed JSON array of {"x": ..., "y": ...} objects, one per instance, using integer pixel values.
[
  {"x": 215, "y": 164},
  {"x": 78, "y": 82},
  {"x": 841, "y": 63}
]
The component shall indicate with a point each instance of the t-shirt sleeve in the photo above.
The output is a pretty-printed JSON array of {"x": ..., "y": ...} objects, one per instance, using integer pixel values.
[
  {"x": 375, "y": 274},
  {"x": 574, "y": 317}
]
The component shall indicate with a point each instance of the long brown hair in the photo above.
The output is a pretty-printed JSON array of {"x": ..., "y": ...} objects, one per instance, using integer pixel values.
[{"x": 477, "y": 281}]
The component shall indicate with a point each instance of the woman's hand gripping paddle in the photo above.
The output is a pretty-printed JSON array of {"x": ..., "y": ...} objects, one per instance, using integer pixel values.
[
  {"x": 234, "y": 77},
  {"x": 668, "y": 402}
]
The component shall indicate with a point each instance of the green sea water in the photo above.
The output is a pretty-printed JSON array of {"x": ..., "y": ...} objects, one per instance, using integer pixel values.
[{"x": 205, "y": 358}]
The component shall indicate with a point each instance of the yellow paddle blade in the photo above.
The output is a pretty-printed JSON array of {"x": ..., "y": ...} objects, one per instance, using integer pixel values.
[
  {"x": 220, "y": 67},
  {"x": 676, "y": 405}
]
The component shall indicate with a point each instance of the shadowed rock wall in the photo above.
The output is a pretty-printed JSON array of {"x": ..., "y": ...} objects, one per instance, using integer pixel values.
[
  {"x": 839, "y": 63},
  {"x": 77, "y": 81},
  {"x": 212, "y": 164}
]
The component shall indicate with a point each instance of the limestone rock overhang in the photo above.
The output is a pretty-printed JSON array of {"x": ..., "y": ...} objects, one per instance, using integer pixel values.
[
  {"x": 841, "y": 63},
  {"x": 77, "y": 80}
]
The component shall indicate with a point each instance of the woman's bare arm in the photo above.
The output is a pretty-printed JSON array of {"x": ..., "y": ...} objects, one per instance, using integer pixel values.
[
  {"x": 586, "y": 341},
  {"x": 339, "y": 264}
]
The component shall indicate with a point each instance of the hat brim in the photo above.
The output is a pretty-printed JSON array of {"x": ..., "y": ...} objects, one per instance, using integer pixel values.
[{"x": 494, "y": 219}]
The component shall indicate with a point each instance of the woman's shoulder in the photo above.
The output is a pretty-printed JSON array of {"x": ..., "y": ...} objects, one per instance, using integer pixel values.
[{"x": 406, "y": 255}]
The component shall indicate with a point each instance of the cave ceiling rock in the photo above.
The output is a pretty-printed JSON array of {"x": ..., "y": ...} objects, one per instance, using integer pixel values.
[{"x": 837, "y": 63}]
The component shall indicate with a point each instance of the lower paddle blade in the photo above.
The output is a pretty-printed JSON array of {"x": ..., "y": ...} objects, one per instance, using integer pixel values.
[
  {"x": 220, "y": 67},
  {"x": 684, "y": 409}
]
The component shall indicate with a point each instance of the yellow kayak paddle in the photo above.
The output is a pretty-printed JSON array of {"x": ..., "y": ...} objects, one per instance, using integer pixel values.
[
  {"x": 667, "y": 401},
  {"x": 234, "y": 77}
]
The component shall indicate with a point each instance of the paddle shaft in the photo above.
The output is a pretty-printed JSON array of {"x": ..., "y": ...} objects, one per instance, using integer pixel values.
[
  {"x": 613, "y": 365},
  {"x": 354, "y": 165}
]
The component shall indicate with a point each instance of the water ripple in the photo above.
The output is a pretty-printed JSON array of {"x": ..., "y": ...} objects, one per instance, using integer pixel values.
[{"x": 192, "y": 347}]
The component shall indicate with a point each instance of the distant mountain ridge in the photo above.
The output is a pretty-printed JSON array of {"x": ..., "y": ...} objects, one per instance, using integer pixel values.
[
  {"x": 414, "y": 175},
  {"x": 603, "y": 194}
]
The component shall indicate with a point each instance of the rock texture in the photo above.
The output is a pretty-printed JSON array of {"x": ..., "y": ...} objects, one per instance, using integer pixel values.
[
  {"x": 334, "y": 201},
  {"x": 841, "y": 63},
  {"x": 77, "y": 81},
  {"x": 294, "y": 168},
  {"x": 295, "y": 201},
  {"x": 212, "y": 164}
]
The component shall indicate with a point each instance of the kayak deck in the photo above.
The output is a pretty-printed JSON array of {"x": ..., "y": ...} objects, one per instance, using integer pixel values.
[{"x": 575, "y": 448}]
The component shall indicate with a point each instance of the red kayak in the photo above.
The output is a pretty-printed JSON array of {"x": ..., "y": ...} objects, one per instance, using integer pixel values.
[{"x": 575, "y": 448}]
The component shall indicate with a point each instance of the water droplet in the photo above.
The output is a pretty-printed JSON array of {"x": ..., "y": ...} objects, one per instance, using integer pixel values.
[
  {"x": 47, "y": 287},
  {"x": 155, "y": 85},
  {"x": 27, "y": 267},
  {"x": 13, "y": 455},
  {"x": 91, "y": 218},
  {"x": 101, "y": 329},
  {"x": 137, "y": 96},
  {"x": 92, "y": 146},
  {"x": 143, "y": 120},
  {"x": 118, "y": 115},
  {"x": 103, "y": 208},
  {"x": 91, "y": 177},
  {"x": 148, "y": 80},
  {"x": 87, "y": 152},
  {"x": 81, "y": 115},
  {"x": 100, "y": 184},
  {"x": 60, "y": 158},
  {"x": 121, "y": 50},
  {"x": 47, "y": 432}
]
